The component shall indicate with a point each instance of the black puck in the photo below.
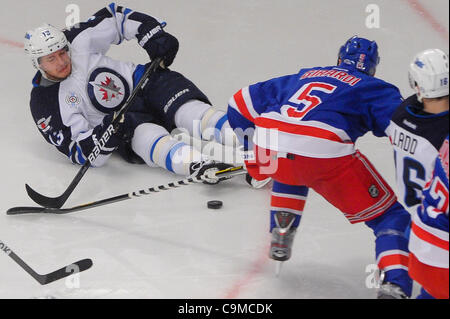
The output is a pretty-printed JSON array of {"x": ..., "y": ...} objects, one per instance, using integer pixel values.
[{"x": 215, "y": 204}]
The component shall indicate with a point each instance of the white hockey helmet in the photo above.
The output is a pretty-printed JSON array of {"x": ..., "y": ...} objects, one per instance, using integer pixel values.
[
  {"x": 428, "y": 74},
  {"x": 43, "y": 41}
]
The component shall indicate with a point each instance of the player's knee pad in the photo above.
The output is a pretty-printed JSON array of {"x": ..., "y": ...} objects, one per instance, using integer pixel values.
[{"x": 167, "y": 91}]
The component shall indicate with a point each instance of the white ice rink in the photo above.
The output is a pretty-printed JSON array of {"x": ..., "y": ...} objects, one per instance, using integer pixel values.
[{"x": 169, "y": 245}]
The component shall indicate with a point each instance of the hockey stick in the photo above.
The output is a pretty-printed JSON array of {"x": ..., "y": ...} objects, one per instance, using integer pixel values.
[
  {"x": 76, "y": 267},
  {"x": 58, "y": 202},
  {"x": 226, "y": 173}
]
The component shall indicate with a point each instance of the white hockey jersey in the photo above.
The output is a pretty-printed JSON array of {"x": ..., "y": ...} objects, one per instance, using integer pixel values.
[
  {"x": 69, "y": 113},
  {"x": 416, "y": 138}
]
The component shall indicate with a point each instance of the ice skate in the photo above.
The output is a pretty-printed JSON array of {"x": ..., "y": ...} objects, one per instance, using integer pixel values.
[
  {"x": 282, "y": 239},
  {"x": 389, "y": 290}
]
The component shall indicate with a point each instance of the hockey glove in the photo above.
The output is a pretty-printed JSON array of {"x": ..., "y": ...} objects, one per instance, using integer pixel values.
[
  {"x": 116, "y": 137},
  {"x": 208, "y": 169},
  {"x": 158, "y": 43},
  {"x": 125, "y": 129}
]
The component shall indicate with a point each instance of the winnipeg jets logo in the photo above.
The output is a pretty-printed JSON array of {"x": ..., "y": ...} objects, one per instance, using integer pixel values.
[
  {"x": 44, "y": 124},
  {"x": 107, "y": 90}
]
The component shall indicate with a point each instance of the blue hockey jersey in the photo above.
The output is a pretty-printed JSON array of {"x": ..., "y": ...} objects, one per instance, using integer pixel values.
[
  {"x": 318, "y": 112},
  {"x": 429, "y": 238}
]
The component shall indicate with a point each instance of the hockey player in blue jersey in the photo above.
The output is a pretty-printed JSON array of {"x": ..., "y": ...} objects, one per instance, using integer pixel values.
[
  {"x": 301, "y": 130},
  {"x": 78, "y": 88},
  {"x": 428, "y": 242}
]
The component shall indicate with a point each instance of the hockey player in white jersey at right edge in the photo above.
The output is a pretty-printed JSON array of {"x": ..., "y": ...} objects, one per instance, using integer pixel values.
[
  {"x": 419, "y": 132},
  {"x": 77, "y": 90},
  {"x": 420, "y": 125}
]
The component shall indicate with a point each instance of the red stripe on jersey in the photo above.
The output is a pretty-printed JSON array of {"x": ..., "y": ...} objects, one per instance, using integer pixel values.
[
  {"x": 433, "y": 279},
  {"x": 391, "y": 260},
  {"x": 298, "y": 129},
  {"x": 428, "y": 237},
  {"x": 292, "y": 203},
  {"x": 242, "y": 106}
]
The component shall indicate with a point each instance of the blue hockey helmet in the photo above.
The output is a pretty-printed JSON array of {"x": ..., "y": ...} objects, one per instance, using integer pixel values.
[{"x": 361, "y": 53}]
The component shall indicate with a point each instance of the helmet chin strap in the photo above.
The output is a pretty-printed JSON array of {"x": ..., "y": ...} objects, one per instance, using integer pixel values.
[{"x": 419, "y": 96}]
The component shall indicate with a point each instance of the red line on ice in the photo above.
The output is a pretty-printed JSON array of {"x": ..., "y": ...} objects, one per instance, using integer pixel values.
[
  {"x": 427, "y": 16},
  {"x": 255, "y": 268},
  {"x": 11, "y": 43}
]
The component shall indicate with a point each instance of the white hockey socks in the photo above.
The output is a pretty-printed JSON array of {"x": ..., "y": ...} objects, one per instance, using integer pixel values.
[
  {"x": 157, "y": 147},
  {"x": 203, "y": 121}
]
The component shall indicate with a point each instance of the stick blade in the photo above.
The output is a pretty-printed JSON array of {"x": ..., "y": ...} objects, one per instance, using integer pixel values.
[
  {"x": 51, "y": 202},
  {"x": 25, "y": 210},
  {"x": 71, "y": 269}
]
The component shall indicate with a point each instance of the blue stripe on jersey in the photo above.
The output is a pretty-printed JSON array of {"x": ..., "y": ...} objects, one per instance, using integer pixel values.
[
  {"x": 425, "y": 116},
  {"x": 137, "y": 75},
  {"x": 171, "y": 154},
  {"x": 125, "y": 13},
  {"x": 218, "y": 128},
  {"x": 81, "y": 158},
  {"x": 112, "y": 6},
  {"x": 153, "y": 147}
]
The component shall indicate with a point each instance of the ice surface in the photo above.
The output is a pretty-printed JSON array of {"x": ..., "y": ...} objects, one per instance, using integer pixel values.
[{"x": 169, "y": 245}]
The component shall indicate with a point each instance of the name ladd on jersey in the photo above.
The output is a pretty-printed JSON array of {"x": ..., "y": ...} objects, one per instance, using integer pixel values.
[
  {"x": 107, "y": 90},
  {"x": 404, "y": 142}
]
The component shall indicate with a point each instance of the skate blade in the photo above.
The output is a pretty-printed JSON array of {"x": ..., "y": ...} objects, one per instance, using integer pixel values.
[{"x": 278, "y": 265}]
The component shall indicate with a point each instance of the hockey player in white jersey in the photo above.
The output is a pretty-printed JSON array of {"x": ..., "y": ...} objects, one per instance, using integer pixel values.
[
  {"x": 78, "y": 88},
  {"x": 420, "y": 125},
  {"x": 419, "y": 132}
]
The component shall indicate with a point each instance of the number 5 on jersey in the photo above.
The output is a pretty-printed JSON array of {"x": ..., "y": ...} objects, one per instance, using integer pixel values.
[{"x": 306, "y": 97}]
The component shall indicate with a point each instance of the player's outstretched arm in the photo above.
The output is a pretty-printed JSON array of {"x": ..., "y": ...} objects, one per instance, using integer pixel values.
[{"x": 114, "y": 24}]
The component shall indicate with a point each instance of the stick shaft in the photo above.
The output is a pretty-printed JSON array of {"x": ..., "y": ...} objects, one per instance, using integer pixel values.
[{"x": 228, "y": 173}]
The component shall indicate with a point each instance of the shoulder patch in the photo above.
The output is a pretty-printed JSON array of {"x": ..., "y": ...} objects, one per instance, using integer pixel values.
[{"x": 72, "y": 99}]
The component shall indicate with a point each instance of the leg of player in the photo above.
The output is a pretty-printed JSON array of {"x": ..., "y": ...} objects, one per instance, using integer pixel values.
[
  {"x": 376, "y": 205},
  {"x": 287, "y": 204},
  {"x": 391, "y": 246},
  {"x": 205, "y": 122},
  {"x": 157, "y": 147}
]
